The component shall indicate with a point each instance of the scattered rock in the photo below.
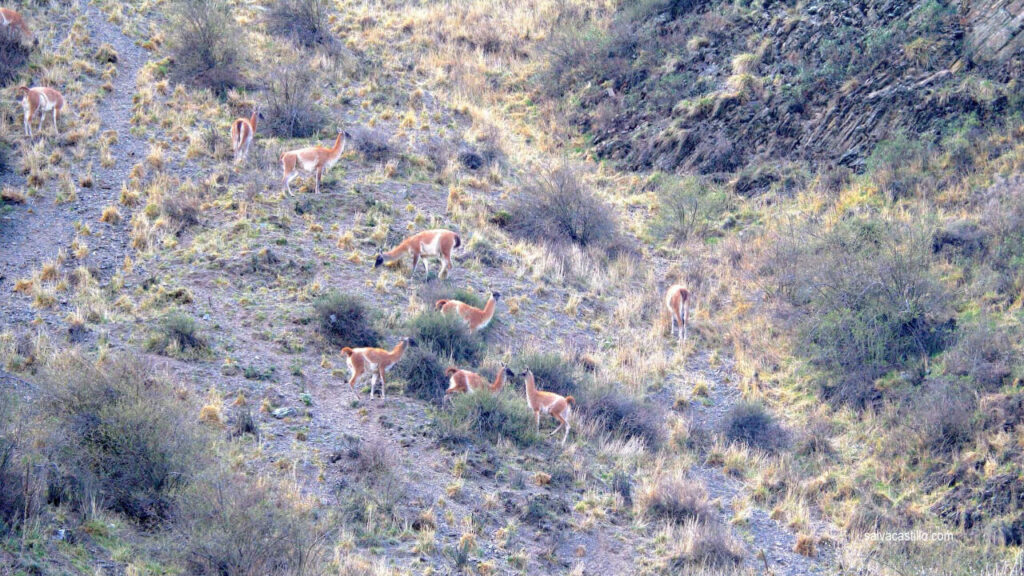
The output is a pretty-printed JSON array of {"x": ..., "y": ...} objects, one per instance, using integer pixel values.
[{"x": 283, "y": 412}]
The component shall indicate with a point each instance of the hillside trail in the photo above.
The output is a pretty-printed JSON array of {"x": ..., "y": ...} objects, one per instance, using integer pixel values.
[
  {"x": 34, "y": 233},
  {"x": 760, "y": 533}
]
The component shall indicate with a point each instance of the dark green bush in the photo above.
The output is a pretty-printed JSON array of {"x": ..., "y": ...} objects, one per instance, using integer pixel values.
[
  {"x": 623, "y": 415},
  {"x": 16, "y": 496},
  {"x": 206, "y": 50},
  {"x": 345, "y": 321},
  {"x": 490, "y": 417},
  {"x": 944, "y": 414},
  {"x": 552, "y": 372},
  {"x": 120, "y": 436},
  {"x": 14, "y": 54},
  {"x": 423, "y": 374},
  {"x": 178, "y": 336},
  {"x": 291, "y": 111},
  {"x": 687, "y": 207},
  {"x": 752, "y": 424},
  {"x": 448, "y": 337}
]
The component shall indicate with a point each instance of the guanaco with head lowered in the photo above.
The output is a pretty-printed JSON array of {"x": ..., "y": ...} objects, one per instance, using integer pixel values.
[
  {"x": 243, "y": 130},
  {"x": 676, "y": 300},
  {"x": 475, "y": 318},
  {"x": 462, "y": 381},
  {"x": 430, "y": 243},
  {"x": 315, "y": 160},
  {"x": 11, "y": 20},
  {"x": 548, "y": 403},
  {"x": 374, "y": 362},
  {"x": 37, "y": 101}
]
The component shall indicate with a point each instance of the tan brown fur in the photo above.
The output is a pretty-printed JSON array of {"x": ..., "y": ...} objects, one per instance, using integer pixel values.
[
  {"x": 13, "y": 20},
  {"x": 243, "y": 130},
  {"x": 677, "y": 300},
  {"x": 315, "y": 160},
  {"x": 429, "y": 243},
  {"x": 556, "y": 405},
  {"x": 36, "y": 102},
  {"x": 373, "y": 361},
  {"x": 475, "y": 318},
  {"x": 463, "y": 381}
]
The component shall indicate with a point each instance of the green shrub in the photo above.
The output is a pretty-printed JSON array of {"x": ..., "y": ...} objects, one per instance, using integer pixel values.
[
  {"x": 447, "y": 336},
  {"x": 14, "y": 54},
  {"x": 205, "y": 49},
  {"x": 488, "y": 417},
  {"x": 120, "y": 437},
  {"x": 178, "y": 336},
  {"x": 687, "y": 208},
  {"x": 291, "y": 111},
  {"x": 19, "y": 495},
  {"x": 345, "y": 321},
  {"x": 552, "y": 372},
  {"x": 624, "y": 415},
  {"x": 304, "y": 22},
  {"x": 753, "y": 425},
  {"x": 422, "y": 373}
]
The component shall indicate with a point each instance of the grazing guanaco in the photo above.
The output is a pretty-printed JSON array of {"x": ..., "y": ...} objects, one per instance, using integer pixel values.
[
  {"x": 548, "y": 403},
  {"x": 462, "y": 381},
  {"x": 38, "y": 101},
  {"x": 430, "y": 243},
  {"x": 375, "y": 362},
  {"x": 243, "y": 130},
  {"x": 676, "y": 300},
  {"x": 315, "y": 160},
  {"x": 11, "y": 20},
  {"x": 475, "y": 318}
]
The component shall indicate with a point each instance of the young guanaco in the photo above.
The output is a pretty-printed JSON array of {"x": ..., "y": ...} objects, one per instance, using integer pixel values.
[
  {"x": 37, "y": 101},
  {"x": 430, "y": 243},
  {"x": 676, "y": 300},
  {"x": 243, "y": 130},
  {"x": 475, "y": 318},
  {"x": 374, "y": 362},
  {"x": 315, "y": 160},
  {"x": 549, "y": 403},
  {"x": 462, "y": 381}
]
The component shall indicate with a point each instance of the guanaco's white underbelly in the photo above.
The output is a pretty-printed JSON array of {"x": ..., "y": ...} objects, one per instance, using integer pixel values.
[{"x": 432, "y": 248}]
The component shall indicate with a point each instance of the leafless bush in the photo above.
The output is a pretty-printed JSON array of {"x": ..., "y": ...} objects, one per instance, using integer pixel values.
[
  {"x": 704, "y": 544},
  {"x": 944, "y": 412},
  {"x": 373, "y": 144},
  {"x": 13, "y": 54},
  {"x": 752, "y": 424},
  {"x": 205, "y": 48},
  {"x": 677, "y": 499},
  {"x": 291, "y": 110},
  {"x": 304, "y": 22}
]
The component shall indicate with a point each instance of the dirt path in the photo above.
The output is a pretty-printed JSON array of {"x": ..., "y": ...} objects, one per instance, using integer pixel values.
[
  {"x": 760, "y": 532},
  {"x": 34, "y": 233}
]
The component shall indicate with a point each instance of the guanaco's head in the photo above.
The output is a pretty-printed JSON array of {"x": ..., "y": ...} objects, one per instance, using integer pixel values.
[
  {"x": 508, "y": 371},
  {"x": 496, "y": 296},
  {"x": 526, "y": 373},
  {"x": 380, "y": 260},
  {"x": 410, "y": 342},
  {"x": 450, "y": 371},
  {"x": 22, "y": 90}
]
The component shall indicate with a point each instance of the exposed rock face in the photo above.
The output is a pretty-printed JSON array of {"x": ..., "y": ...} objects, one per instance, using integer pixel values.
[{"x": 995, "y": 29}]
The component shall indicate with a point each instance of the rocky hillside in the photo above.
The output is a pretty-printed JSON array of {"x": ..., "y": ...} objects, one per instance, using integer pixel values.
[{"x": 713, "y": 87}]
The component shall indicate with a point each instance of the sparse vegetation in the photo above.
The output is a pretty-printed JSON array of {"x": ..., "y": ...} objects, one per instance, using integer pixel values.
[
  {"x": 751, "y": 424},
  {"x": 488, "y": 417},
  {"x": 14, "y": 53},
  {"x": 304, "y": 22},
  {"x": 179, "y": 336},
  {"x": 205, "y": 51},
  {"x": 291, "y": 111}
]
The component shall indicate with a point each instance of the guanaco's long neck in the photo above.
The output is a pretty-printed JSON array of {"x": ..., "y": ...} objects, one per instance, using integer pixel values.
[
  {"x": 489, "y": 309},
  {"x": 398, "y": 251},
  {"x": 252, "y": 119},
  {"x": 396, "y": 352},
  {"x": 531, "y": 386},
  {"x": 335, "y": 152},
  {"x": 499, "y": 380}
]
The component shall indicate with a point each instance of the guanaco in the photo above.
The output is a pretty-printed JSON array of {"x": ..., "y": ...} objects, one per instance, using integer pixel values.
[
  {"x": 676, "y": 300},
  {"x": 38, "y": 101},
  {"x": 430, "y": 243},
  {"x": 462, "y": 381},
  {"x": 549, "y": 403},
  {"x": 315, "y": 160},
  {"x": 243, "y": 130},
  {"x": 11, "y": 20},
  {"x": 374, "y": 361},
  {"x": 475, "y": 318}
]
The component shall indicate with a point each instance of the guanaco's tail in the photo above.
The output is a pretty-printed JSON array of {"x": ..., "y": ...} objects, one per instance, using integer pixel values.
[
  {"x": 458, "y": 241},
  {"x": 440, "y": 304}
]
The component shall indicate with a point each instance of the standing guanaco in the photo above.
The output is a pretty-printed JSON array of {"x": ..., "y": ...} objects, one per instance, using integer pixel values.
[
  {"x": 11, "y": 20},
  {"x": 475, "y": 318},
  {"x": 38, "y": 101},
  {"x": 243, "y": 130},
  {"x": 676, "y": 300},
  {"x": 315, "y": 160},
  {"x": 548, "y": 403},
  {"x": 462, "y": 381},
  {"x": 374, "y": 361},
  {"x": 430, "y": 243}
]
